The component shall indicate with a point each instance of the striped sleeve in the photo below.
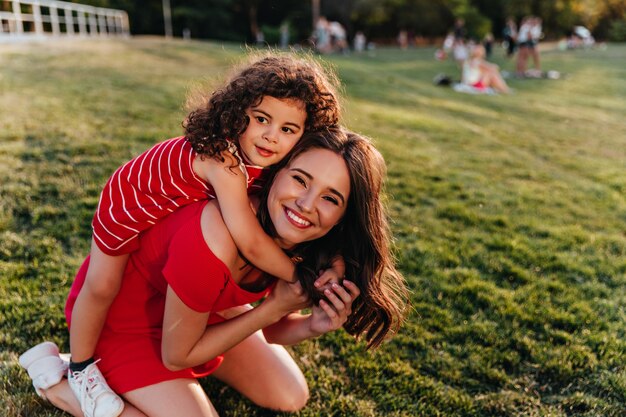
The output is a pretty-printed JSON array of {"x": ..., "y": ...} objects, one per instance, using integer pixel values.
[{"x": 144, "y": 190}]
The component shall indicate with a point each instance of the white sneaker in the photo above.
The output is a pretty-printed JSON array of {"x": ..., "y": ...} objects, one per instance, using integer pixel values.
[
  {"x": 37, "y": 352},
  {"x": 44, "y": 366},
  {"x": 96, "y": 398}
]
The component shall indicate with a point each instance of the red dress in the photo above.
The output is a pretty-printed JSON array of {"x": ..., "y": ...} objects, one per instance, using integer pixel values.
[
  {"x": 174, "y": 253},
  {"x": 148, "y": 188}
]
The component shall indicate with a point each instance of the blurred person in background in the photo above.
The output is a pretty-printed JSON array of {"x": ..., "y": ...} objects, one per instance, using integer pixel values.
[
  {"x": 482, "y": 75},
  {"x": 509, "y": 34}
]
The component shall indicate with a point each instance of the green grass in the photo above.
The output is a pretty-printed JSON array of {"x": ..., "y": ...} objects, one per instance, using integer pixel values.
[{"x": 509, "y": 215}]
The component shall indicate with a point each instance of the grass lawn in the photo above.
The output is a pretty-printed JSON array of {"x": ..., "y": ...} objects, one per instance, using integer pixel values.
[{"x": 509, "y": 214}]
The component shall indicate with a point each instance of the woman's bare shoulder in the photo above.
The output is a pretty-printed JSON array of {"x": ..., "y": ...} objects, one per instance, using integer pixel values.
[{"x": 216, "y": 234}]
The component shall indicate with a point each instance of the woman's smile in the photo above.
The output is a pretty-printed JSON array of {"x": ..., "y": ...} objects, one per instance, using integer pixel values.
[{"x": 296, "y": 219}]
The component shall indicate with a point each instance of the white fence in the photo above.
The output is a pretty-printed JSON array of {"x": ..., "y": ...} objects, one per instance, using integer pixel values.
[{"x": 26, "y": 19}]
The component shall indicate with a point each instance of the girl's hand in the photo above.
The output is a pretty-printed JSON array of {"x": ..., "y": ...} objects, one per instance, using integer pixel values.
[
  {"x": 326, "y": 278},
  {"x": 286, "y": 298},
  {"x": 334, "y": 274},
  {"x": 332, "y": 314}
]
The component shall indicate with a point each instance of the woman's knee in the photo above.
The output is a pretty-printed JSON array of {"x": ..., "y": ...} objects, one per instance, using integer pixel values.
[{"x": 291, "y": 398}]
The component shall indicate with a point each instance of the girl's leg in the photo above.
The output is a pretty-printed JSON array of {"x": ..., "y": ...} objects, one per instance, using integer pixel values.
[
  {"x": 264, "y": 373},
  {"x": 179, "y": 397},
  {"x": 61, "y": 396},
  {"x": 102, "y": 283}
]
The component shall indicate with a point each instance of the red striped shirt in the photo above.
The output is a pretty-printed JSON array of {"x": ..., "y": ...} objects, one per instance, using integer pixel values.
[{"x": 146, "y": 189}]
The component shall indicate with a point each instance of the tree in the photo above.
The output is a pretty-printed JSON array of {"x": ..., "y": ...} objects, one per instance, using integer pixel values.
[{"x": 238, "y": 20}]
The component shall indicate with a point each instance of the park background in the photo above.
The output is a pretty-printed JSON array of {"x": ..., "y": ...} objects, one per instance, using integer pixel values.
[
  {"x": 379, "y": 20},
  {"x": 509, "y": 213}
]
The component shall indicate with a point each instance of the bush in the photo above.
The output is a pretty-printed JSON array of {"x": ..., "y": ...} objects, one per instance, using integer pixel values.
[
  {"x": 271, "y": 34},
  {"x": 617, "y": 32}
]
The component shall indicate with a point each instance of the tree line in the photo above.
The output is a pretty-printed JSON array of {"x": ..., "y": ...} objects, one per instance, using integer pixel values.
[{"x": 239, "y": 20}]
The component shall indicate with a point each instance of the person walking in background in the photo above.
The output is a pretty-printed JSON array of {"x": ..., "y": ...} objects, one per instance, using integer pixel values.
[
  {"x": 284, "y": 35},
  {"x": 260, "y": 38},
  {"x": 510, "y": 36},
  {"x": 529, "y": 35},
  {"x": 459, "y": 48},
  {"x": 536, "y": 33},
  {"x": 403, "y": 39},
  {"x": 359, "y": 42},
  {"x": 447, "y": 47},
  {"x": 524, "y": 43},
  {"x": 488, "y": 44},
  {"x": 459, "y": 30},
  {"x": 321, "y": 36},
  {"x": 338, "y": 40}
]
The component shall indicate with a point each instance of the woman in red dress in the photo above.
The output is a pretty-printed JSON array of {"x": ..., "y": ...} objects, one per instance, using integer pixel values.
[{"x": 183, "y": 309}]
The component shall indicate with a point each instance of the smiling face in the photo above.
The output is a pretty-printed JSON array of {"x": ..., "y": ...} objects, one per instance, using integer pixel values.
[
  {"x": 309, "y": 197},
  {"x": 274, "y": 127}
]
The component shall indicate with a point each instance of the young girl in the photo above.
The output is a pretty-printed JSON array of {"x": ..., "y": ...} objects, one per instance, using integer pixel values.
[{"x": 245, "y": 126}]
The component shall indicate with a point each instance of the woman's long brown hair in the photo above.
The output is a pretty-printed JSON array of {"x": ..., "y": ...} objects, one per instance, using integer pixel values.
[{"x": 362, "y": 237}]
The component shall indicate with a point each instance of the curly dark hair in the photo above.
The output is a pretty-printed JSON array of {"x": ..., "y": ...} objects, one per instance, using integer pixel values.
[{"x": 280, "y": 75}]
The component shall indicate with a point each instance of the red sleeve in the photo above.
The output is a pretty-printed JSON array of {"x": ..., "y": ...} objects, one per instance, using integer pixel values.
[{"x": 195, "y": 274}]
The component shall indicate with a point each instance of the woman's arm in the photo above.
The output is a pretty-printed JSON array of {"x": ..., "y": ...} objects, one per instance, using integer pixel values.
[
  {"x": 188, "y": 341},
  {"x": 230, "y": 188},
  {"x": 487, "y": 66},
  {"x": 326, "y": 317}
]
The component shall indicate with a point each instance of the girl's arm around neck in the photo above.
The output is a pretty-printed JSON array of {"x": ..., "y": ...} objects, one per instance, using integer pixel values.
[{"x": 229, "y": 184}]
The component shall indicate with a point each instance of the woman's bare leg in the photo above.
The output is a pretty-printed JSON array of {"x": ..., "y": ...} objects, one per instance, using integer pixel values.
[
  {"x": 535, "y": 55},
  {"x": 494, "y": 80},
  {"x": 522, "y": 57},
  {"x": 499, "y": 84},
  {"x": 179, "y": 397},
  {"x": 264, "y": 373},
  {"x": 62, "y": 396}
]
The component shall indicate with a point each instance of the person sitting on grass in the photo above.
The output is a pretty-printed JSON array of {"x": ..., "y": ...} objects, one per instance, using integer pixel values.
[
  {"x": 482, "y": 75},
  {"x": 177, "y": 317}
]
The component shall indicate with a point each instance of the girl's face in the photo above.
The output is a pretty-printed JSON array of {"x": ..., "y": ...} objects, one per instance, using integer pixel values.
[
  {"x": 309, "y": 196},
  {"x": 275, "y": 127}
]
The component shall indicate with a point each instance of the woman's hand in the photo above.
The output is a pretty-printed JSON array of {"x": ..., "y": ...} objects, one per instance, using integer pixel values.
[
  {"x": 332, "y": 314},
  {"x": 286, "y": 298}
]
